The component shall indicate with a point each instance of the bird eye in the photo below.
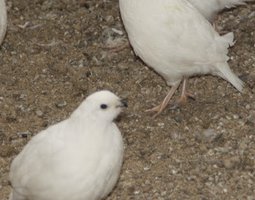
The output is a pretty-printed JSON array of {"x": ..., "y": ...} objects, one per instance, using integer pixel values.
[{"x": 103, "y": 106}]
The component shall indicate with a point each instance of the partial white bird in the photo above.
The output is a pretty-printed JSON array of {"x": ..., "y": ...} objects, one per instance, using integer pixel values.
[
  {"x": 210, "y": 8},
  {"x": 77, "y": 159},
  {"x": 3, "y": 20},
  {"x": 176, "y": 40}
]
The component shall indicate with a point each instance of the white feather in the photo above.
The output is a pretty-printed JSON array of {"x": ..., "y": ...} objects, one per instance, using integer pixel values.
[
  {"x": 173, "y": 38},
  {"x": 3, "y": 20},
  {"x": 210, "y": 8},
  {"x": 77, "y": 159}
]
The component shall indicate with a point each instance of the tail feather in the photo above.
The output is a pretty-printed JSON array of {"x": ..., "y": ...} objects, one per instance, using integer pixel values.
[
  {"x": 233, "y": 3},
  {"x": 225, "y": 72},
  {"x": 15, "y": 196},
  {"x": 11, "y": 196},
  {"x": 229, "y": 38}
]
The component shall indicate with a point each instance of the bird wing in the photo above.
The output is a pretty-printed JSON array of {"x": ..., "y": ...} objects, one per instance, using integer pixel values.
[
  {"x": 35, "y": 160},
  {"x": 207, "y": 8},
  {"x": 38, "y": 170},
  {"x": 174, "y": 26},
  {"x": 192, "y": 37}
]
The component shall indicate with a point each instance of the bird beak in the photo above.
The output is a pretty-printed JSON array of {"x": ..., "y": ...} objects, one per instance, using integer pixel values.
[{"x": 123, "y": 103}]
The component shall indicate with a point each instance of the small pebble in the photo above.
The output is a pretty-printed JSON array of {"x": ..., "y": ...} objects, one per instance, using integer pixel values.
[
  {"x": 231, "y": 163},
  {"x": 39, "y": 113},
  {"x": 209, "y": 135},
  {"x": 24, "y": 134},
  {"x": 61, "y": 104},
  {"x": 251, "y": 117}
]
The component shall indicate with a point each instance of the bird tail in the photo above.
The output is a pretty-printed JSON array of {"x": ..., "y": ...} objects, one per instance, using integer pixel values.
[
  {"x": 233, "y": 3},
  {"x": 228, "y": 38},
  {"x": 11, "y": 196},
  {"x": 225, "y": 72},
  {"x": 15, "y": 196}
]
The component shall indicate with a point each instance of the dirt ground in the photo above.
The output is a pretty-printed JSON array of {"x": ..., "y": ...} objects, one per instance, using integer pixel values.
[{"x": 55, "y": 54}]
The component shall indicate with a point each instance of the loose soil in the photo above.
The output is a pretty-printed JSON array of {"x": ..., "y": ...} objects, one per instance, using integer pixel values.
[{"x": 57, "y": 52}]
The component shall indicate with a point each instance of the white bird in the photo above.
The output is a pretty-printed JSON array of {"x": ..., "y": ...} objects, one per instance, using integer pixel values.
[
  {"x": 210, "y": 8},
  {"x": 77, "y": 159},
  {"x": 176, "y": 40},
  {"x": 3, "y": 20}
]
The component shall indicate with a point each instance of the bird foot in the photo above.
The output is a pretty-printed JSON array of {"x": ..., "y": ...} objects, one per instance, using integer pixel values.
[
  {"x": 156, "y": 109},
  {"x": 184, "y": 98},
  {"x": 165, "y": 102}
]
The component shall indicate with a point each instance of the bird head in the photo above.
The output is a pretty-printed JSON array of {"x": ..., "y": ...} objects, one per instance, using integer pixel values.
[{"x": 103, "y": 105}]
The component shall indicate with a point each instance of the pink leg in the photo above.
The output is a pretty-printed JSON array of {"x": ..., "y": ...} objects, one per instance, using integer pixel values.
[
  {"x": 165, "y": 102},
  {"x": 185, "y": 95}
]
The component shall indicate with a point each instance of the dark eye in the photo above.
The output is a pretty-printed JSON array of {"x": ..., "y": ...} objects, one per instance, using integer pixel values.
[{"x": 103, "y": 106}]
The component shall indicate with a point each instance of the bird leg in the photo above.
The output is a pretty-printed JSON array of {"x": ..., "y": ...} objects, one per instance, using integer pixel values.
[
  {"x": 185, "y": 95},
  {"x": 165, "y": 102}
]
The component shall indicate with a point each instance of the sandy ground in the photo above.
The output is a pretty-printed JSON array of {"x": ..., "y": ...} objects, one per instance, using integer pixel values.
[{"x": 55, "y": 54}]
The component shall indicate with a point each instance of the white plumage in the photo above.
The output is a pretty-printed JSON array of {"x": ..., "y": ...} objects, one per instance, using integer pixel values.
[
  {"x": 77, "y": 159},
  {"x": 3, "y": 20},
  {"x": 173, "y": 38},
  {"x": 210, "y": 8}
]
